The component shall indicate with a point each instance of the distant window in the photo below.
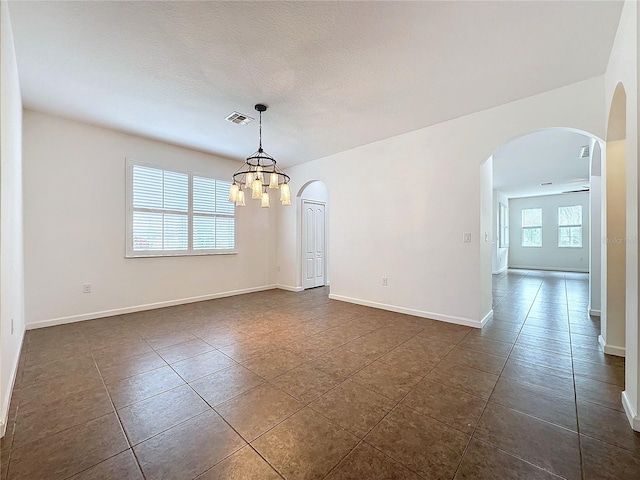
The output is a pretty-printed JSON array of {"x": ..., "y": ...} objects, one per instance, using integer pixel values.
[
  {"x": 570, "y": 226},
  {"x": 177, "y": 213},
  {"x": 532, "y": 227},
  {"x": 503, "y": 226}
]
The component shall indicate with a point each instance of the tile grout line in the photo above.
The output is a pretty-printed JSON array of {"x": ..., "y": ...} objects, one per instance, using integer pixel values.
[
  {"x": 351, "y": 376},
  {"x": 473, "y": 433},
  {"x": 362, "y": 440},
  {"x": 575, "y": 390},
  {"x": 115, "y": 410}
]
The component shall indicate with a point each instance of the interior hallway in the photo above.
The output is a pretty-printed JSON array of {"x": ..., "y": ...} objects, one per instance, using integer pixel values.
[{"x": 293, "y": 385}]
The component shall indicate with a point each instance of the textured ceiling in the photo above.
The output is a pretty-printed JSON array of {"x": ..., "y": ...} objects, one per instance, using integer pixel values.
[
  {"x": 520, "y": 166},
  {"x": 336, "y": 75}
]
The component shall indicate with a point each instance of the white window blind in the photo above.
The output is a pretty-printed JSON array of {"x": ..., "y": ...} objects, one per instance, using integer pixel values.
[
  {"x": 213, "y": 222},
  {"x": 532, "y": 227},
  {"x": 177, "y": 213},
  {"x": 570, "y": 226}
]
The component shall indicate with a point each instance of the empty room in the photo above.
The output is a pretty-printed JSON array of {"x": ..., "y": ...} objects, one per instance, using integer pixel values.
[{"x": 319, "y": 240}]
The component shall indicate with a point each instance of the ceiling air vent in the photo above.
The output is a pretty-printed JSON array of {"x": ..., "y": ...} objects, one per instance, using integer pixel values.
[
  {"x": 239, "y": 118},
  {"x": 546, "y": 184},
  {"x": 584, "y": 152}
]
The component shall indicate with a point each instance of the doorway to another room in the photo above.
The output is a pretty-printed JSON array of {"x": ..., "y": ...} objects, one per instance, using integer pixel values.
[{"x": 314, "y": 197}]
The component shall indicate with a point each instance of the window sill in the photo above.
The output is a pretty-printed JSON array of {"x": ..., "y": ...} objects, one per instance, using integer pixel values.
[{"x": 178, "y": 254}]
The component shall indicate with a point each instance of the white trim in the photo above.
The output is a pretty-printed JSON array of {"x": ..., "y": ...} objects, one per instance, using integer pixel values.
[
  {"x": 130, "y": 163},
  {"x": 503, "y": 269},
  {"x": 140, "y": 308},
  {"x": 611, "y": 349},
  {"x": 594, "y": 313},
  {"x": 632, "y": 415},
  {"x": 302, "y": 239},
  {"x": 553, "y": 269},
  {"x": 6, "y": 402},
  {"x": 486, "y": 318},
  {"x": 417, "y": 313},
  {"x": 289, "y": 288}
]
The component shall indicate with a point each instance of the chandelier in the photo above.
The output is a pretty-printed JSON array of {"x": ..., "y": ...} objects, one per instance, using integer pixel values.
[{"x": 257, "y": 168}]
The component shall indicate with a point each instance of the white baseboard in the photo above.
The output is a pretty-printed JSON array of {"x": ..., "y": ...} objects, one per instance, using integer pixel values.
[
  {"x": 469, "y": 322},
  {"x": 595, "y": 313},
  {"x": 6, "y": 401},
  {"x": 552, "y": 269},
  {"x": 486, "y": 318},
  {"x": 503, "y": 269},
  {"x": 632, "y": 415},
  {"x": 611, "y": 349},
  {"x": 289, "y": 288},
  {"x": 140, "y": 308}
]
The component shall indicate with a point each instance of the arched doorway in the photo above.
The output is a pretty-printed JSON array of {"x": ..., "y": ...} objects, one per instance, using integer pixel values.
[
  {"x": 313, "y": 208},
  {"x": 561, "y": 149}
]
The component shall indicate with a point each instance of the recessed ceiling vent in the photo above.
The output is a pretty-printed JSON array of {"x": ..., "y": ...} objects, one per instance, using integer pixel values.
[
  {"x": 546, "y": 184},
  {"x": 239, "y": 118},
  {"x": 584, "y": 152}
]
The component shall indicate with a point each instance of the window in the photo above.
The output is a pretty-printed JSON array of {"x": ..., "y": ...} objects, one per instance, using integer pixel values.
[
  {"x": 570, "y": 226},
  {"x": 177, "y": 213},
  {"x": 531, "y": 227},
  {"x": 503, "y": 226}
]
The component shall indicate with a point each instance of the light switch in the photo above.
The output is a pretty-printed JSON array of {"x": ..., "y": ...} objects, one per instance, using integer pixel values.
[{"x": 466, "y": 237}]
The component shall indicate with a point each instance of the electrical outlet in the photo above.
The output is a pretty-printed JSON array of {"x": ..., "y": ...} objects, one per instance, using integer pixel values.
[
  {"x": 384, "y": 281},
  {"x": 86, "y": 288},
  {"x": 466, "y": 237}
]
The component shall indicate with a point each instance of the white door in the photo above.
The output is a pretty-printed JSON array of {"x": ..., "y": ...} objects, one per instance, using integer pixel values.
[{"x": 313, "y": 243}]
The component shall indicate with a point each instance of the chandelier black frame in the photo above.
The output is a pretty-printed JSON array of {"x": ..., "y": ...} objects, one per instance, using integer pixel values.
[{"x": 258, "y": 167}]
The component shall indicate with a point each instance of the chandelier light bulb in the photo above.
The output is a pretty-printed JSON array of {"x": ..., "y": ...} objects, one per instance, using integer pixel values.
[
  {"x": 259, "y": 173},
  {"x": 273, "y": 180},
  {"x": 248, "y": 180},
  {"x": 240, "y": 198},
  {"x": 233, "y": 192},
  {"x": 256, "y": 188},
  {"x": 265, "y": 200},
  {"x": 285, "y": 194}
]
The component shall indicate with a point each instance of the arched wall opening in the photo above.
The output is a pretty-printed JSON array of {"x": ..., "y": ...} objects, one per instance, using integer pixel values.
[
  {"x": 496, "y": 262},
  {"x": 312, "y": 251},
  {"x": 614, "y": 183}
]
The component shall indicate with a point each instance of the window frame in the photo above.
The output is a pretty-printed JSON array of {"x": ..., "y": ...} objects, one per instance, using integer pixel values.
[
  {"x": 560, "y": 227},
  {"x": 531, "y": 227},
  {"x": 503, "y": 225},
  {"x": 189, "y": 252}
]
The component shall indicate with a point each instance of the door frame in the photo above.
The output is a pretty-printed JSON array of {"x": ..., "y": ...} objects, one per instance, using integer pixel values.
[{"x": 303, "y": 238}]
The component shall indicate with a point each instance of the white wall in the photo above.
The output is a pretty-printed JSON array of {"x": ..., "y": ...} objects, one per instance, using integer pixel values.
[
  {"x": 500, "y": 260},
  {"x": 624, "y": 67},
  {"x": 385, "y": 223},
  {"x": 485, "y": 240},
  {"x": 74, "y": 177},
  {"x": 614, "y": 178},
  {"x": 11, "y": 227},
  {"x": 595, "y": 218},
  {"x": 549, "y": 256}
]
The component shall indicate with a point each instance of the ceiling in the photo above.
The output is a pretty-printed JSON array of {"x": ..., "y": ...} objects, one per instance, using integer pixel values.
[
  {"x": 520, "y": 166},
  {"x": 336, "y": 75}
]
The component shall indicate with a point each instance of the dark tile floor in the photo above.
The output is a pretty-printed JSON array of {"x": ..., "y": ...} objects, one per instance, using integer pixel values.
[{"x": 292, "y": 385}]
